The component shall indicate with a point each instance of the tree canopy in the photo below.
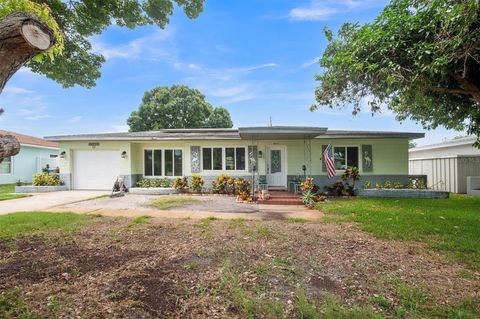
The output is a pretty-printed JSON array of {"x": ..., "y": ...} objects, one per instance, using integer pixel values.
[
  {"x": 420, "y": 58},
  {"x": 177, "y": 106},
  {"x": 74, "y": 21}
]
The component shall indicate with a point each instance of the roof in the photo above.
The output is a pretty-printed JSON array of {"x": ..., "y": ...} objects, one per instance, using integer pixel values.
[
  {"x": 30, "y": 140},
  {"x": 259, "y": 132},
  {"x": 469, "y": 140}
]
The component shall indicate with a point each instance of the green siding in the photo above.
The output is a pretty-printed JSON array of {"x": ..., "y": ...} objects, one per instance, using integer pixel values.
[{"x": 390, "y": 156}]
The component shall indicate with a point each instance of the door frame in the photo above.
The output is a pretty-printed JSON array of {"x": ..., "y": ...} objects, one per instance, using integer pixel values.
[{"x": 285, "y": 163}]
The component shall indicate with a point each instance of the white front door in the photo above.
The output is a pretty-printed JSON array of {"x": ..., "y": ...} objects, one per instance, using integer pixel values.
[
  {"x": 95, "y": 169},
  {"x": 276, "y": 166}
]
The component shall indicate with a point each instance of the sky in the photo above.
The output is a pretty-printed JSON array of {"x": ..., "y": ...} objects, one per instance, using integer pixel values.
[{"x": 257, "y": 58}]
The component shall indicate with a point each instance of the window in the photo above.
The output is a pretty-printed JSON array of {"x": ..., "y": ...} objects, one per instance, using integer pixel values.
[
  {"x": 228, "y": 158},
  {"x": 212, "y": 158},
  {"x": 345, "y": 156},
  {"x": 6, "y": 165},
  {"x": 159, "y": 162}
]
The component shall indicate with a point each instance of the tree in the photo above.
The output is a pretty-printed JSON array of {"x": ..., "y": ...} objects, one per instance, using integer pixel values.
[
  {"x": 177, "y": 106},
  {"x": 420, "y": 58},
  {"x": 71, "y": 61}
]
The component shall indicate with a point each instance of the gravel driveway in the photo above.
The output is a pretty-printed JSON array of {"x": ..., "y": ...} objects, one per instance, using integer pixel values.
[{"x": 206, "y": 203}]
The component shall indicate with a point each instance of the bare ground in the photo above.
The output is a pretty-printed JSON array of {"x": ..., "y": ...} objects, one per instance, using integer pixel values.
[{"x": 193, "y": 269}]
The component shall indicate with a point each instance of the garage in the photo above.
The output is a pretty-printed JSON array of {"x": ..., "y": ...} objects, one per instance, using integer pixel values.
[{"x": 95, "y": 169}]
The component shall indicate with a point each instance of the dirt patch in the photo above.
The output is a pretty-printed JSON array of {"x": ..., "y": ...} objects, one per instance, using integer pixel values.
[{"x": 184, "y": 268}]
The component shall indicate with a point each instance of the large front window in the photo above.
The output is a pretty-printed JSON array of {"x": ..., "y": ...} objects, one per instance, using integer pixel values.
[
  {"x": 6, "y": 166},
  {"x": 159, "y": 162},
  {"x": 345, "y": 156},
  {"x": 223, "y": 158}
]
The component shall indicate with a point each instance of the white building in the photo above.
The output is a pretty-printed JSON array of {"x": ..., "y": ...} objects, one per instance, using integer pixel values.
[{"x": 446, "y": 164}]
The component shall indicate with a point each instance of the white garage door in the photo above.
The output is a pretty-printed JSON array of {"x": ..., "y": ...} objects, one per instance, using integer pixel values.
[{"x": 95, "y": 169}]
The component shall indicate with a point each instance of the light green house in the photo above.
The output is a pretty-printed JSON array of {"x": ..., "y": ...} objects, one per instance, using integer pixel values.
[{"x": 278, "y": 153}]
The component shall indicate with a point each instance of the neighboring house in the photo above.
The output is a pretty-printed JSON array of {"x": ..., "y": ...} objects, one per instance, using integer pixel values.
[
  {"x": 35, "y": 154},
  {"x": 446, "y": 164},
  {"x": 93, "y": 161}
]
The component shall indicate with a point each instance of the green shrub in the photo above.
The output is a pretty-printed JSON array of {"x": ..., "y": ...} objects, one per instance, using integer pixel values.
[
  {"x": 154, "y": 182},
  {"x": 224, "y": 184},
  {"x": 197, "y": 183},
  {"x": 46, "y": 180},
  {"x": 242, "y": 188},
  {"x": 180, "y": 183},
  {"x": 367, "y": 185}
]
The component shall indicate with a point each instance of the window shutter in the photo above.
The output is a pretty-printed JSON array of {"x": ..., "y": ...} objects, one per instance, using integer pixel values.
[
  {"x": 367, "y": 158},
  {"x": 324, "y": 167},
  {"x": 252, "y": 149},
  {"x": 195, "y": 159}
]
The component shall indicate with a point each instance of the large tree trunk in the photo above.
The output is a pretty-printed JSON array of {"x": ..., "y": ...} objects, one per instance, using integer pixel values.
[
  {"x": 22, "y": 36},
  {"x": 9, "y": 146}
]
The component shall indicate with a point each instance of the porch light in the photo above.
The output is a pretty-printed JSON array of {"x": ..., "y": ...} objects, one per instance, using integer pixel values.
[
  {"x": 63, "y": 154},
  {"x": 260, "y": 154},
  {"x": 124, "y": 154}
]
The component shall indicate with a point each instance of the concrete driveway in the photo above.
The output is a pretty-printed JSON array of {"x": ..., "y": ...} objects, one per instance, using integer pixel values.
[{"x": 44, "y": 201}]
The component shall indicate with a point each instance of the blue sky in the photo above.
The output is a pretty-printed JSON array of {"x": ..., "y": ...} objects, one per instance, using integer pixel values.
[{"x": 256, "y": 58}]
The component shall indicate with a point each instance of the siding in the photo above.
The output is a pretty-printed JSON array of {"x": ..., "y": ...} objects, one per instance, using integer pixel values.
[
  {"x": 390, "y": 156},
  {"x": 25, "y": 164}
]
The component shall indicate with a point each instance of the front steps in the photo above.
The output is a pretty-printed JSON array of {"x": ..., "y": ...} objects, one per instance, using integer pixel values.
[{"x": 281, "y": 198}]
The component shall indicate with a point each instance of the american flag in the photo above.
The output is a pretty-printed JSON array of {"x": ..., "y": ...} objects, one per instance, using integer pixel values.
[{"x": 328, "y": 160}]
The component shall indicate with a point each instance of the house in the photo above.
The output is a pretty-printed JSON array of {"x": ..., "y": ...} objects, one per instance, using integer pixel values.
[
  {"x": 279, "y": 154},
  {"x": 35, "y": 154},
  {"x": 446, "y": 165}
]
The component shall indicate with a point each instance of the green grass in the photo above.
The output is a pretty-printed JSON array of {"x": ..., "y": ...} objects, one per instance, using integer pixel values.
[
  {"x": 139, "y": 220},
  {"x": 296, "y": 220},
  {"x": 28, "y": 223},
  {"x": 7, "y": 192},
  {"x": 169, "y": 201},
  {"x": 450, "y": 225}
]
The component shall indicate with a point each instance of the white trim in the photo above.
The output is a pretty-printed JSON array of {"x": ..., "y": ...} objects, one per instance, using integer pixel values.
[
  {"x": 285, "y": 160},
  {"x": 224, "y": 164},
  {"x": 40, "y": 146},
  {"x": 163, "y": 162},
  {"x": 11, "y": 167},
  {"x": 360, "y": 169}
]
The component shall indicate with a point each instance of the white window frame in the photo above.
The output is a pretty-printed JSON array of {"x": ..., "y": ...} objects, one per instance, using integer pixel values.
[
  {"x": 11, "y": 166},
  {"x": 224, "y": 159},
  {"x": 346, "y": 155},
  {"x": 163, "y": 161}
]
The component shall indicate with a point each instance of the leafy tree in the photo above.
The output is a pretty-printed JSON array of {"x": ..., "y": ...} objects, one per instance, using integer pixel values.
[
  {"x": 177, "y": 106},
  {"x": 421, "y": 58},
  {"x": 74, "y": 21}
]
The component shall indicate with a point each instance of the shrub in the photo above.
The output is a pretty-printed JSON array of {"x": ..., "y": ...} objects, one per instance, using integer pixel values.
[
  {"x": 308, "y": 198},
  {"x": 154, "y": 182},
  {"x": 416, "y": 183},
  {"x": 388, "y": 185},
  {"x": 336, "y": 189},
  {"x": 351, "y": 175},
  {"x": 46, "y": 180},
  {"x": 367, "y": 185},
  {"x": 308, "y": 185},
  {"x": 224, "y": 184},
  {"x": 181, "y": 183},
  {"x": 197, "y": 183},
  {"x": 243, "y": 189}
]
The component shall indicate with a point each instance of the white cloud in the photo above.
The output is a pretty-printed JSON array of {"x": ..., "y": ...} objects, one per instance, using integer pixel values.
[
  {"x": 75, "y": 119},
  {"x": 321, "y": 10},
  {"x": 119, "y": 128},
  {"x": 37, "y": 117},
  {"x": 312, "y": 13},
  {"x": 309, "y": 63},
  {"x": 16, "y": 90},
  {"x": 148, "y": 47}
]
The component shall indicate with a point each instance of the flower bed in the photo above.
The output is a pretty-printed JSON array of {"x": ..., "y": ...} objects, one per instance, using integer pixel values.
[
  {"x": 402, "y": 193},
  {"x": 40, "y": 189},
  {"x": 153, "y": 190}
]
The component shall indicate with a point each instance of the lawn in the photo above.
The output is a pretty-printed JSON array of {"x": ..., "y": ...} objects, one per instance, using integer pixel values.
[
  {"x": 7, "y": 190},
  {"x": 35, "y": 223},
  {"x": 55, "y": 265},
  {"x": 449, "y": 225},
  {"x": 170, "y": 201}
]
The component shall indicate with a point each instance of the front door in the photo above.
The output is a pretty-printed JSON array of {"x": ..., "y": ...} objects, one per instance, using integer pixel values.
[{"x": 276, "y": 168}]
